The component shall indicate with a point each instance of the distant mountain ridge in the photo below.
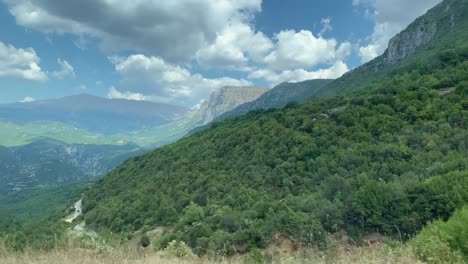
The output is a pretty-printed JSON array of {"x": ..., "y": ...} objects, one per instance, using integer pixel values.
[
  {"x": 47, "y": 162},
  {"x": 279, "y": 96},
  {"x": 95, "y": 114},
  {"x": 226, "y": 99}
]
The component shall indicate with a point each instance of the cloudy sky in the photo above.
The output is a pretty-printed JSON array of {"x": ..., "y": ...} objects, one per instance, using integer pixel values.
[{"x": 179, "y": 51}]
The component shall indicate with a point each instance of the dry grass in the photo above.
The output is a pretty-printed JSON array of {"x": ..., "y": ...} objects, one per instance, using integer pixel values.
[{"x": 365, "y": 255}]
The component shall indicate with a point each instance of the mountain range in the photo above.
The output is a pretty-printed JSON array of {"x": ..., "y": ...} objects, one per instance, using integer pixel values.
[
  {"x": 94, "y": 114},
  {"x": 46, "y": 162},
  {"x": 55, "y": 141},
  {"x": 386, "y": 156}
]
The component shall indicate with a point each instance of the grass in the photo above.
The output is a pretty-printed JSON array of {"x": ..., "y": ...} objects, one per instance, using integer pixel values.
[{"x": 374, "y": 254}]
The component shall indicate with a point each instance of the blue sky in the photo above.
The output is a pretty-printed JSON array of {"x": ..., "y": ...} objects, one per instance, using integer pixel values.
[{"x": 180, "y": 51}]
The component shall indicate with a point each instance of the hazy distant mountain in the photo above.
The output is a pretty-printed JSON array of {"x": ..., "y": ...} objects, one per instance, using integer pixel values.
[
  {"x": 48, "y": 162},
  {"x": 279, "y": 96},
  {"x": 226, "y": 99},
  {"x": 95, "y": 114}
]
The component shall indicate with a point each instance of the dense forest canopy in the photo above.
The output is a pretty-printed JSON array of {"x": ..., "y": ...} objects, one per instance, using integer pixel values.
[{"x": 387, "y": 159}]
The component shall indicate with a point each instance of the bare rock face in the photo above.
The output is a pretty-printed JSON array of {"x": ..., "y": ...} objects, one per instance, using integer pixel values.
[
  {"x": 407, "y": 42},
  {"x": 226, "y": 99}
]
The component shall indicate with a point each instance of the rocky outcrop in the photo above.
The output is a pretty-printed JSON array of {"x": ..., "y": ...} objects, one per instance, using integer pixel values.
[
  {"x": 279, "y": 96},
  {"x": 226, "y": 99},
  {"x": 408, "y": 41}
]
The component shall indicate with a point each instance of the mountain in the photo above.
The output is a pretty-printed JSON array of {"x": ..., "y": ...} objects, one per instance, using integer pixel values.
[
  {"x": 48, "y": 162},
  {"x": 279, "y": 96},
  {"x": 225, "y": 100},
  {"x": 433, "y": 37},
  {"x": 386, "y": 157},
  {"x": 221, "y": 101},
  {"x": 94, "y": 114}
]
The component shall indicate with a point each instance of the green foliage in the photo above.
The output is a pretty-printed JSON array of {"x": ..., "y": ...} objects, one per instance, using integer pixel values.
[
  {"x": 386, "y": 160},
  {"x": 178, "y": 249},
  {"x": 255, "y": 257},
  {"x": 30, "y": 218},
  {"x": 144, "y": 240},
  {"x": 444, "y": 242}
]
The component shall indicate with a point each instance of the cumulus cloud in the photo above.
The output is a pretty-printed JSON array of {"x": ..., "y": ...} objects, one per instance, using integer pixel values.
[
  {"x": 391, "y": 16},
  {"x": 173, "y": 30},
  {"x": 234, "y": 47},
  {"x": 115, "y": 94},
  {"x": 27, "y": 99},
  {"x": 20, "y": 63},
  {"x": 296, "y": 50},
  {"x": 161, "y": 81},
  {"x": 66, "y": 70},
  {"x": 273, "y": 78}
]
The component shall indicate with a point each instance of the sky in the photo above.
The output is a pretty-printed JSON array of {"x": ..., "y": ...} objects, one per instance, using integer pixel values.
[{"x": 180, "y": 51}]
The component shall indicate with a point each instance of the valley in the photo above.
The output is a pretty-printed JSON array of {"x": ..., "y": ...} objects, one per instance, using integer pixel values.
[{"x": 367, "y": 165}]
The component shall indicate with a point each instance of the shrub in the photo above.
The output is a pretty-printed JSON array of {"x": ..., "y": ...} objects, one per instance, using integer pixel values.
[
  {"x": 178, "y": 249},
  {"x": 444, "y": 242},
  {"x": 144, "y": 240}
]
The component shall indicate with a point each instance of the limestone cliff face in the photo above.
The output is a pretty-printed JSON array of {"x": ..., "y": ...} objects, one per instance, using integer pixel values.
[
  {"x": 438, "y": 21},
  {"x": 279, "y": 96},
  {"x": 408, "y": 41},
  {"x": 226, "y": 99}
]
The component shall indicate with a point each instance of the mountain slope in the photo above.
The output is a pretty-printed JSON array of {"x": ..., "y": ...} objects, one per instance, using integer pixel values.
[
  {"x": 95, "y": 114},
  {"x": 47, "y": 162},
  {"x": 419, "y": 47},
  {"x": 387, "y": 160},
  {"x": 219, "y": 102},
  {"x": 225, "y": 100},
  {"x": 279, "y": 96},
  {"x": 356, "y": 164}
]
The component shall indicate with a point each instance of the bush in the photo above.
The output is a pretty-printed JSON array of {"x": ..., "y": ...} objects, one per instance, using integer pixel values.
[
  {"x": 178, "y": 249},
  {"x": 444, "y": 242},
  {"x": 144, "y": 240},
  {"x": 255, "y": 257}
]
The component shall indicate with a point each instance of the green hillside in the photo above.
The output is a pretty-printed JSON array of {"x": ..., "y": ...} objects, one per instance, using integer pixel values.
[
  {"x": 32, "y": 218},
  {"x": 387, "y": 160},
  {"x": 387, "y": 156},
  {"x": 47, "y": 161},
  {"x": 440, "y": 31}
]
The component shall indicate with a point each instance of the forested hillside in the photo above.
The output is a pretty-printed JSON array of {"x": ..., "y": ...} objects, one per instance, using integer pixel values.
[
  {"x": 386, "y": 160},
  {"x": 441, "y": 29},
  {"x": 45, "y": 162}
]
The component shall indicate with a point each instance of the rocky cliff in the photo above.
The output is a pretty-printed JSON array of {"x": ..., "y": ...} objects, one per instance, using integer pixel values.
[
  {"x": 442, "y": 28},
  {"x": 407, "y": 42},
  {"x": 226, "y": 99},
  {"x": 279, "y": 96}
]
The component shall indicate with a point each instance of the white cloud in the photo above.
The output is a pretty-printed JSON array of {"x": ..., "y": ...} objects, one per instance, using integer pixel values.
[
  {"x": 273, "y": 78},
  {"x": 173, "y": 30},
  {"x": 160, "y": 81},
  {"x": 234, "y": 46},
  {"x": 299, "y": 50},
  {"x": 66, "y": 70},
  {"x": 115, "y": 94},
  {"x": 327, "y": 27},
  {"x": 20, "y": 63},
  {"x": 391, "y": 17},
  {"x": 27, "y": 99}
]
